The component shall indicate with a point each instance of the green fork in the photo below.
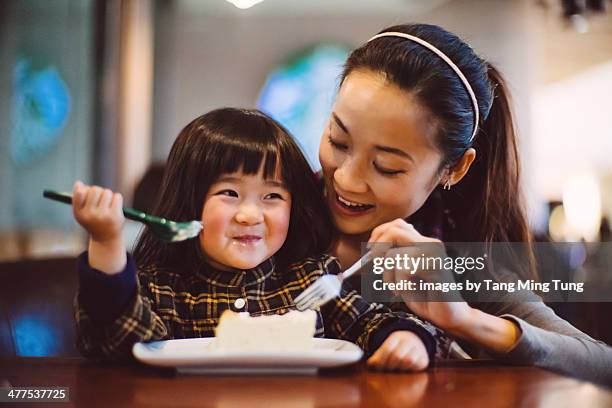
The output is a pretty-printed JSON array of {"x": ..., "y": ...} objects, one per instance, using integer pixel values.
[{"x": 165, "y": 230}]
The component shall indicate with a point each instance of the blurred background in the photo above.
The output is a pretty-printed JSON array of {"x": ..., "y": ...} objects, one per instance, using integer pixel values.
[{"x": 97, "y": 91}]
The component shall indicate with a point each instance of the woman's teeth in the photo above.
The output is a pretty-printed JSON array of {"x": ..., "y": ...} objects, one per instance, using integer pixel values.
[{"x": 352, "y": 205}]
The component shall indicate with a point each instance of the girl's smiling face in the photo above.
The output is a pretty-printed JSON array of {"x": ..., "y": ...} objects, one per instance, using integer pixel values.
[
  {"x": 377, "y": 153},
  {"x": 246, "y": 220}
]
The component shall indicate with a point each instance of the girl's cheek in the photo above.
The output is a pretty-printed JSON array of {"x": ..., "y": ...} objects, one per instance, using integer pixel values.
[
  {"x": 215, "y": 217},
  {"x": 281, "y": 219},
  {"x": 284, "y": 222},
  {"x": 212, "y": 229}
]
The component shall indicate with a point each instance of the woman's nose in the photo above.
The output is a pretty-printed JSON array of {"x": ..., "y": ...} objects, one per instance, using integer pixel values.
[
  {"x": 249, "y": 214},
  {"x": 349, "y": 178}
]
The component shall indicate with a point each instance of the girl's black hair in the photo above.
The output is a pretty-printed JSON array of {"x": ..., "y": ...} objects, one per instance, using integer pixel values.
[
  {"x": 487, "y": 205},
  {"x": 224, "y": 141}
]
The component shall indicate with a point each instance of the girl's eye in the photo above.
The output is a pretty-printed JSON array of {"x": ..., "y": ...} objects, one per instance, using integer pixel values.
[
  {"x": 274, "y": 196},
  {"x": 386, "y": 172},
  {"x": 227, "y": 192},
  {"x": 336, "y": 145}
]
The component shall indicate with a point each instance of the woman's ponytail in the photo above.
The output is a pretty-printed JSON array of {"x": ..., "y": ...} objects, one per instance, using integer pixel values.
[
  {"x": 497, "y": 171},
  {"x": 490, "y": 197}
]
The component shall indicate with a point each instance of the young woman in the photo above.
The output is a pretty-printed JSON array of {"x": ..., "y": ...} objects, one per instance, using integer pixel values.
[{"x": 421, "y": 147}]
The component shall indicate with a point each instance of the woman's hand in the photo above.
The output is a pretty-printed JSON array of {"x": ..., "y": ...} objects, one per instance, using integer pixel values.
[
  {"x": 455, "y": 316},
  {"x": 404, "y": 239},
  {"x": 100, "y": 212},
  {"x": 401, "y": 351}
]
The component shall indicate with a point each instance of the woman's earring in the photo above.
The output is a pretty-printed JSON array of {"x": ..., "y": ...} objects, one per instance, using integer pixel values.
[{"x": 447, "y": 185}]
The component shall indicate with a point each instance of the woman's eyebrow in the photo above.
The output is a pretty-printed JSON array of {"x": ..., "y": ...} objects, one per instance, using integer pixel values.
[
  {"x": 340, "y": 124},
  {"x": 386, "y": 149},
  {"x": 395, "y": 151}
]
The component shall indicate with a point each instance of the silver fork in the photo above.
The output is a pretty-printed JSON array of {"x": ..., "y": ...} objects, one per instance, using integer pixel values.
[{"x": 328, "y": 287}]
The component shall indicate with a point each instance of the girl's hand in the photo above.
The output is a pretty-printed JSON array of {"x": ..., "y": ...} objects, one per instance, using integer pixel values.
[
  {"x": 450, "y": 316},
  {"x": 99, "y": 211},
  {"x": 401, "y": 351}
]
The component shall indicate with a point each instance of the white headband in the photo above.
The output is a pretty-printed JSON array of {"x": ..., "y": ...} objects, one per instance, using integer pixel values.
[{"x": 450, "y": 64}]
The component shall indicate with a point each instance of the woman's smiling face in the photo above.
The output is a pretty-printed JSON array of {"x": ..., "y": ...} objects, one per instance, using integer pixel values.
[{"x": 377, "y": 153}]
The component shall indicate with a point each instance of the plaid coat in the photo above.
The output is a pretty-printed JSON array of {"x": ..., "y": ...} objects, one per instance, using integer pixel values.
[{"x": 113, "y": 312}]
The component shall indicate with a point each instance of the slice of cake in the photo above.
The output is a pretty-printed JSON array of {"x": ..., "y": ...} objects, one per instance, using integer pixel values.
[{"x": 292, "y": 331}]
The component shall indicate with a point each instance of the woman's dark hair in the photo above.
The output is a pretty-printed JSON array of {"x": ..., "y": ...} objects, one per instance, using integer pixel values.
[
  {"x": 225, "y": 141},
  {"x": 487, "y": 205}
]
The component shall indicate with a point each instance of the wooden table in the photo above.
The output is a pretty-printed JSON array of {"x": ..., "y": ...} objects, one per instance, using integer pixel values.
[{"x": 460, "y": 384}]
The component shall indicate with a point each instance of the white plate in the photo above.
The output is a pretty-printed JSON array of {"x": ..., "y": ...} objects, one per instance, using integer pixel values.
[{"x": 200, "y": 356}]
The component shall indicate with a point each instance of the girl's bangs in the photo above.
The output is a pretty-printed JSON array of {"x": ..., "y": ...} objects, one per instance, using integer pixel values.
[{"x": 236, "y": 155}]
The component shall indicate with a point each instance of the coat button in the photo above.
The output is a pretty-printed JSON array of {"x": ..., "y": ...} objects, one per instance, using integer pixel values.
[{"x": 239, "y": 303}]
